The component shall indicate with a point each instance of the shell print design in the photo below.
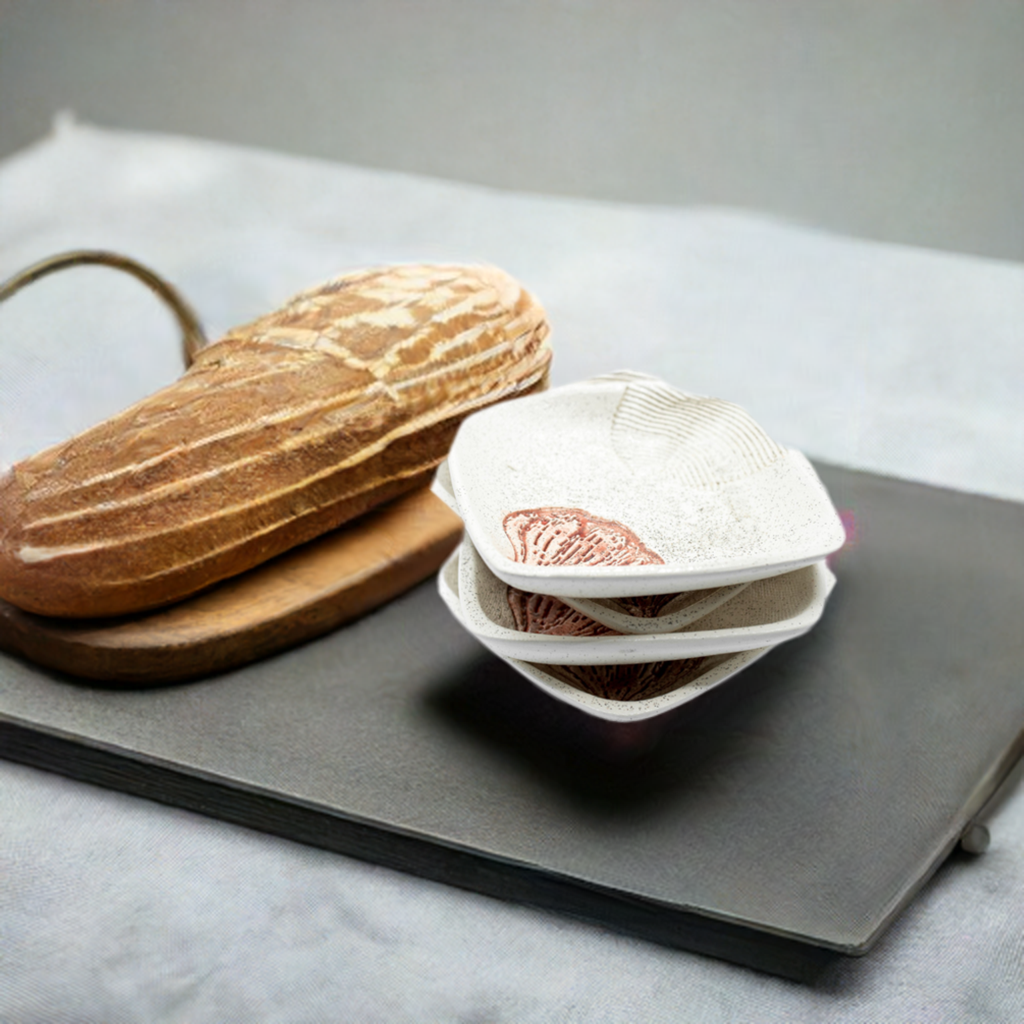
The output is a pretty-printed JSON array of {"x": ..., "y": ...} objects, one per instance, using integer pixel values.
[
  {"x": 539, "y": 613},
  {"x": 573, "y": 536},
  {"x": 631, "y": 682},
  {"x": 568, "y": 536}
]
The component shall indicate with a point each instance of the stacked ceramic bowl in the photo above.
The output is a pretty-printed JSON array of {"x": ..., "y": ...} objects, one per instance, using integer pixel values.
[{"x": 629, "y": 546}]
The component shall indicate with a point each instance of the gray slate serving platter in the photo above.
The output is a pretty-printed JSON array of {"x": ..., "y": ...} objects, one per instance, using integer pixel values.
[{"x": 779, "y": 821}]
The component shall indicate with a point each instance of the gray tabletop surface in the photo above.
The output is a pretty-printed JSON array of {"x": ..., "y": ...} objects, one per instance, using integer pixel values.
[{"x": 901, "y": 361}]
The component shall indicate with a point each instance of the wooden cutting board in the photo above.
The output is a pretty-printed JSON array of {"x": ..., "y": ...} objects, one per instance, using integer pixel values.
[{"x": 299, "y": 595}]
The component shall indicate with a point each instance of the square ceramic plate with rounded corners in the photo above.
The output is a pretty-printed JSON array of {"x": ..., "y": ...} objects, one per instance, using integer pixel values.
[
  {"x": 668, "y": 491},
  {"x": 723, "y": 668},
  {"x": 687, "y": 607},
  {"x": 766, "y": 613}
]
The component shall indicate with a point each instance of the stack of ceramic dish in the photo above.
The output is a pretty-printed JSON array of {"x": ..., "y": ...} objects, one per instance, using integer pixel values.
[{"x": 629, "y": 546}]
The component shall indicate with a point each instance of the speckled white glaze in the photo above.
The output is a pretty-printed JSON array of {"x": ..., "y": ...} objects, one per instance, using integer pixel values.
[
  {"x": 601, "y": 707},
  {"x": 677, "y": 614},
  {"x": 689, "y": 606},
  {"x": 766, "y": 613},
  {"x": 695, "y": 479}
]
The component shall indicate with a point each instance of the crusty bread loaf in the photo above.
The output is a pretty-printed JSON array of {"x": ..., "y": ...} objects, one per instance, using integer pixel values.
[{"x": 285, "y": 428}]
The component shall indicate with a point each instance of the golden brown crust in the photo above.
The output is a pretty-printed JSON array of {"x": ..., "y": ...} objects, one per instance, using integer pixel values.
[{"x": 287, "y": 427}]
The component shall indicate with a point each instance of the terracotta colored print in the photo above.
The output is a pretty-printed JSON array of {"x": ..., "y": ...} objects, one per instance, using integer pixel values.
[
  {"x": 538, "y": 613},
  {"x": 647, "y": 607},
  {"x": 572, "y": 536},
  {"x": 567, "y": 536},
  {"x": 630, "y": 682}
]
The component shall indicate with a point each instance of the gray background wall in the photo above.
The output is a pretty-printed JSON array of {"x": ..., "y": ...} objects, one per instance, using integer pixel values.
[{"x": 893, "y": 119}]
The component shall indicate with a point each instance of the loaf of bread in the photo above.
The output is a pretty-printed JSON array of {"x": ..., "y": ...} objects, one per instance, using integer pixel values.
[{"x": 283, "y": 429}]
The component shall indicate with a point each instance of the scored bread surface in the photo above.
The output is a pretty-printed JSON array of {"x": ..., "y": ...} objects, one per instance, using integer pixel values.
[{"x": 286, "y": 427}]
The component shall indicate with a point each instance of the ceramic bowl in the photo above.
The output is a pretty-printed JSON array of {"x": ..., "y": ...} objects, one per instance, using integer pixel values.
[
  {"x": 623, "y": 614},
  {"x": 625, "y": 485},
  {"x": 766, "y": 613},
  {"x": 713, "y": 673}
]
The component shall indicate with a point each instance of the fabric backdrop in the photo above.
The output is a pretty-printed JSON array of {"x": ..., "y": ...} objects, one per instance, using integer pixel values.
[{"x": 888, "y": 358}]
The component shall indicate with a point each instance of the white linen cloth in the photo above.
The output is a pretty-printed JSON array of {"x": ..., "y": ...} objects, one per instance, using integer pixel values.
[{"x": 887, "y": 358}]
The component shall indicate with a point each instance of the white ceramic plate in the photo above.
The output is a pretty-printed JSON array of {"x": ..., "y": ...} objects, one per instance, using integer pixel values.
[
  {"x": 717, "y": 672},
  {"x": 687, "y": 607},
  {"x": 624, "y": 485},
  {"x": 766, "y": 613}
]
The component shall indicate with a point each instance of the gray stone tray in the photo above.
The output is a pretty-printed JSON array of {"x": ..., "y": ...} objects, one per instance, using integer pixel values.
[{"x": 782, "y": 820}]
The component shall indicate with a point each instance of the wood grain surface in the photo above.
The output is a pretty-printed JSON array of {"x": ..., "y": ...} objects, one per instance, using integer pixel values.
[{"x": 300, "y": 595}]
